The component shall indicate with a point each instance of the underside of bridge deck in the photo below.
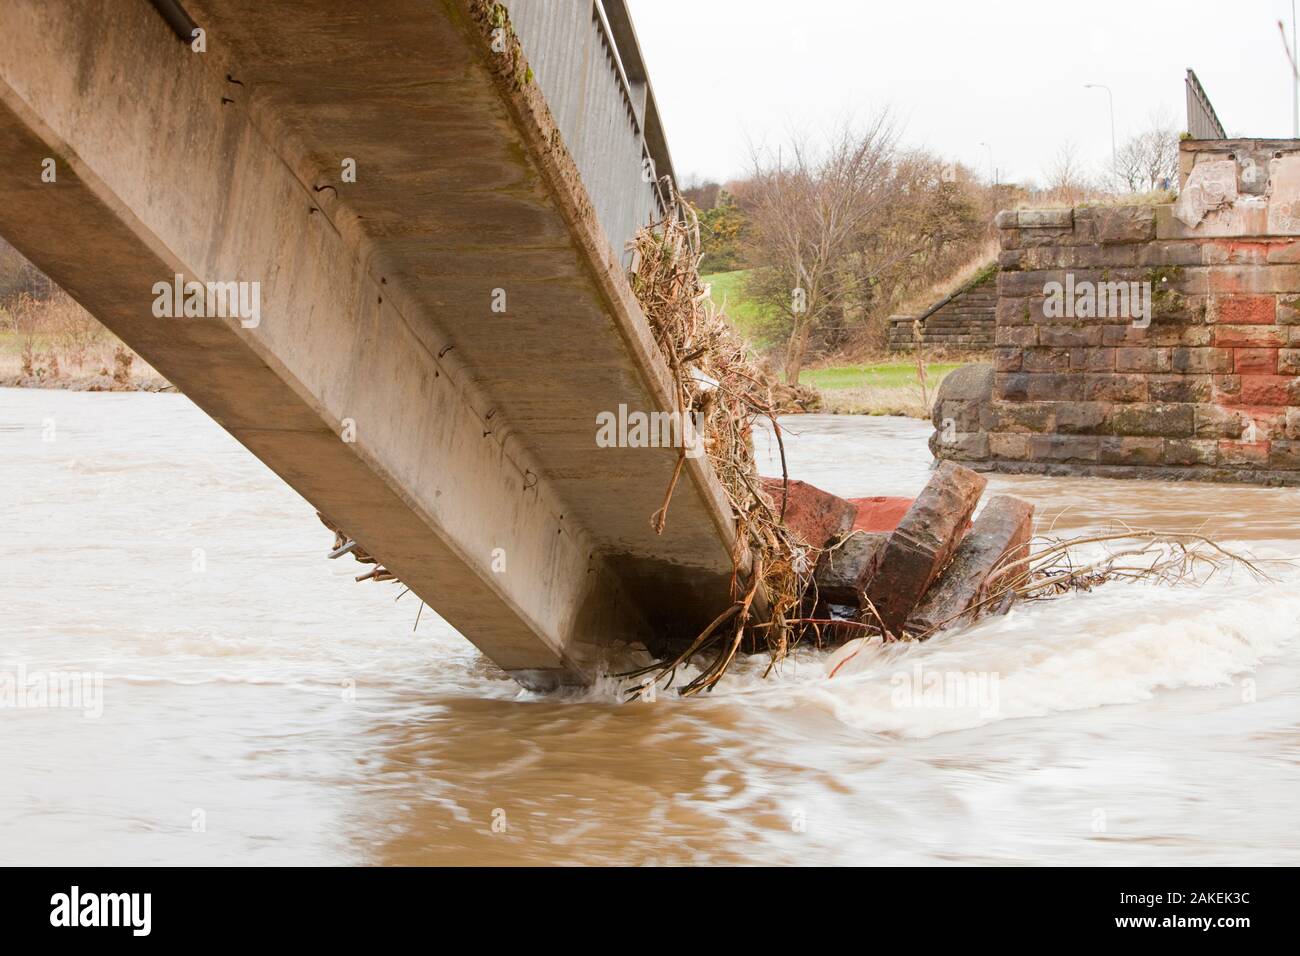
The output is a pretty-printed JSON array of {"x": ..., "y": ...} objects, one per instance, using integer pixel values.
[{"x": 455, "y": 442}]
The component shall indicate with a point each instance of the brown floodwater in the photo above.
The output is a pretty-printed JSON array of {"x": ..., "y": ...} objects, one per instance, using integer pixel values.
[{"x": 256, "y": 706}]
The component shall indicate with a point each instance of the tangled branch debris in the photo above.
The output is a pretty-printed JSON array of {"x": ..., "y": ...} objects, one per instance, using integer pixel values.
[
  {"x": 1058, "y": 566},
  {"x": 723, "y": 391}
]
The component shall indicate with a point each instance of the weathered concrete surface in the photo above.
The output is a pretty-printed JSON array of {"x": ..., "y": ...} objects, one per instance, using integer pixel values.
[
  {"x": 474, "y": 430},
  {"x": 1002, "y": 531},
  {"x": 923, "y": 542}
]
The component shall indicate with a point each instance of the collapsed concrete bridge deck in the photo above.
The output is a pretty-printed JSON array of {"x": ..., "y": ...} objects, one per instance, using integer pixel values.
[{"x": 433, "y": 205}]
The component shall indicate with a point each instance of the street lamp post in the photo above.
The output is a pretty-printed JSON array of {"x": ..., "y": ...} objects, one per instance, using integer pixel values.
[{"x": 1110, "y": 96}]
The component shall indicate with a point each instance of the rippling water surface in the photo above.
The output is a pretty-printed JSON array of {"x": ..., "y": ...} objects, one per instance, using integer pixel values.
[{"x": 259, "y": 707}]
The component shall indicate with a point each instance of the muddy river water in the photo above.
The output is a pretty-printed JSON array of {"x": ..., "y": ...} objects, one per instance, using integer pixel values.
[{"x": 257, "y": 706}]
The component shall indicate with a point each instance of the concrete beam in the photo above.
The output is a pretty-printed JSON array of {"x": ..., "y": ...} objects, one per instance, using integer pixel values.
[{"x": 472, "y": 431}]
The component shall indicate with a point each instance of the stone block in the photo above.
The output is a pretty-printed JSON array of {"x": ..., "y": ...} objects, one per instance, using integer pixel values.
[
  {"x": 972, "y": 382},
  {"x": 1016, "y": 335},
  {"x": 999, "y": 537},
  {"x": 845, "y": 571},
  {"x": 1235, "y": 252},
  {"x": 1045, "y": 219},
  {"x": 1045, "y": 360},
  {"x": 1180, "y": 388},
  {"x": 1214, "y": 421},
  {"x": 1268, "y": 389},
  {"x": 1236, "y": 221},
  {"x": 1108, "y": 256},
  {"x": 1201, "y": 361},
  {"x": 1258, "y": 360},
  {"x": 1021, "y": 285},
  {"x": 1154, "y": 421},
  {"x": 1245, "y": 309},
  {"x": 1009, "y": 446},
  {"x": 1227, "y": 389},
  {"x": 1263, "y": 423},
  {"x": 1056, "y": 387},
  {"x": 1017, "y": 417},
  {"x": 1134, "y": 359},
  {"x": 1007, "y": 219},
  {"x": 1012, "y": 386},
  {"x": 1067, "y": 336},
  {"x": 1212, "y": 185},
  {"x": 1130, "y": 450},
  {"x": 1115, "y": 224},
  {"x": 1284, "y": 201},
  {"x": 1249, "y": 337},
  {"x": 957, "y": 415},
  {"x": 963, "y": 446},
  {"x": 923, "y": 543},
  {"x": 1153, "y": 336},
  {"x": 1241, "y": 454},
  {"x": 1284, "y": 455},
  {"x": 1092, "y": 359},
  {"x": 1170, "y": 254},
  {"x": 1115, "y": 388},
  {"x": 1082, "y": 418},
  {"x": 1254, "y": 280},
  {"x": 1190, "y": 451},
  {"x": 1288, "y": 309},
  {"x": 1035, "y": 238},
  {"x": 1284, "y": 252},
  {"x": 1022, "y": 310},
  {"x": 1063, "y": 448}
]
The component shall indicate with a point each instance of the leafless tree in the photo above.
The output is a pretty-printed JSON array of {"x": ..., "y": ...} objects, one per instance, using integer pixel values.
[
  {"x": 1067, "y": 179},
  {"x": 1149, "y": 160},
  {"x": 808, "y": 207}
]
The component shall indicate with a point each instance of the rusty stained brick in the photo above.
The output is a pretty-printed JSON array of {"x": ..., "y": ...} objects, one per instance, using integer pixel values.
[{"x": 1244, "y": 309}]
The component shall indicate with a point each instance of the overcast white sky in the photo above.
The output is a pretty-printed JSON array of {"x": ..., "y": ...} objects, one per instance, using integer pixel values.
[{"x": 956, "y": 73}]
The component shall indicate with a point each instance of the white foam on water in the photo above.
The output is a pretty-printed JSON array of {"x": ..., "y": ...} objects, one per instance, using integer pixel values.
[{"x": 1119, "y": 644}]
